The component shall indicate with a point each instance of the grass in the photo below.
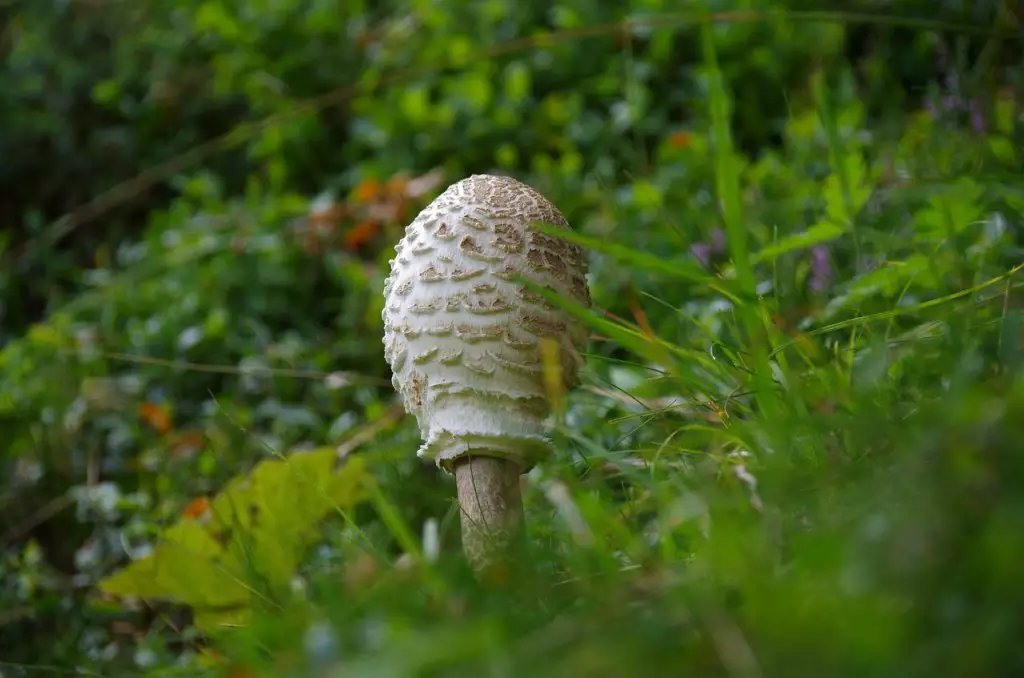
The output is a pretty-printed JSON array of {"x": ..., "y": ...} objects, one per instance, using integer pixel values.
[
  {"x": 841, "y": 501},
  {"x": 754, "y": 480}
]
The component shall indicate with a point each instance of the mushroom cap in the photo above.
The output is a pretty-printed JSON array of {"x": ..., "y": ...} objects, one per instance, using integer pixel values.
[{"x": 464, "y": 338}]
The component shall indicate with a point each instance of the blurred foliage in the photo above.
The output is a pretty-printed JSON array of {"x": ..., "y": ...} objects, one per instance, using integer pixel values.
[
  {"x": 332, "y": 92},
  {"x": 795, "y": 451}
]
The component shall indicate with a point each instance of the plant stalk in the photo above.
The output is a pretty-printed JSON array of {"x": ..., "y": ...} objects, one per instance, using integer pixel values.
[{"x": 492, "y": 510}]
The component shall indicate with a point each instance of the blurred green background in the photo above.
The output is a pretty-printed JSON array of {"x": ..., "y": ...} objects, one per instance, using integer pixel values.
[{"x": 793, "y": 452}]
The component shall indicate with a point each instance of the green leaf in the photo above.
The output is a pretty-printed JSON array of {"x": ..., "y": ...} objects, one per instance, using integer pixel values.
[
  {"x": 415, "y": 104},
  {"x": 842, "y": 207},
  {"x": 214, "y": 17},
  {"x": 1003, "y": 149},
  {"x": 460, "y": 51},
  {"x": 684, "y": 269},
  {"x": 517, "y": 81},
  {"x": 646, "y": 195},
  {"x": 908, "y": 310},
  {"x": 189, "y": 566},
  {"x": 476, "y": 89},
  {"x": 886, "y": 280},
  {"x": 1010, "y": 353},
  {"x": 815, "y": 235},
  {"x": 106, "y": 92},
  {"x": 249, "y": 543},
  {"x": 1004, "y": 114},
  {"x": 955, "y": 209}
]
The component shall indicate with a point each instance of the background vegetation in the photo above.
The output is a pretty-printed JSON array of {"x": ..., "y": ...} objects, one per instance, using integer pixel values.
[{"x": 794, "y": 452}]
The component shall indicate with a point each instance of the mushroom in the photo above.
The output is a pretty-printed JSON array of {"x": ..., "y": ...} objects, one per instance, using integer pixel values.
[{"x": 465, "y": 339}]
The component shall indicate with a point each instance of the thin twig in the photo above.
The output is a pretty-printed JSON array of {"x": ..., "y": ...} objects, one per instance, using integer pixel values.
[{"x": 43, "y": 514}]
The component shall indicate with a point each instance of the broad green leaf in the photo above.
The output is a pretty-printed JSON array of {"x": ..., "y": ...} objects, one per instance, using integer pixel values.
[
  {"x": 250, "y": 542},
  {"x": 955, "y": 209},
  {"x": 275, "y": 509},
  {"x": 189, "y": 566}
]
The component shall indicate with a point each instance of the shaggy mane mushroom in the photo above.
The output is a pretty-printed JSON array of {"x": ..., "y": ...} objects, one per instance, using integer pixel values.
[{"x": 464, "y": 342}]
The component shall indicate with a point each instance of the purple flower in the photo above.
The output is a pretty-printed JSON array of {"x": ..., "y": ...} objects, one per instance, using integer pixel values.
[
  {"x": 701, "y": 251},
  {"x": 952, "y": 82},
  {"x": 949, "y": 104},
  {"x": 704, "y": 251},
  {"x": 821, "y": 268},
  {"x": 977, "y": 118},
  {"x": 718, "y": 240}
]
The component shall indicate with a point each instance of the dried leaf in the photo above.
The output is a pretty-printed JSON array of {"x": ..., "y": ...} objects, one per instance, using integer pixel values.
[
  {"x": 384, "y": 211},
  {"x": 187, "y": 443},
  {"x": 157, "y": 416},
  {"x": 367, "y": 191},
  {"x": 327, "y": 218},
  {"x": 360, "y": 234},
  {"x": 241, "y": 671},
  {"x": 361, "y": 572},
  {"x": 680, "y": 139},
  {"x": 196, "y": 508},
  {"x": 423, "y": 184},
  {"x": 395, "y": 187}
]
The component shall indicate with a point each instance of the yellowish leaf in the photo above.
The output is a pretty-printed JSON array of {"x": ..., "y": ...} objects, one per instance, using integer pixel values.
[
  {"x": 553, "y": 381},
  {"x": 250, "y": 541}
]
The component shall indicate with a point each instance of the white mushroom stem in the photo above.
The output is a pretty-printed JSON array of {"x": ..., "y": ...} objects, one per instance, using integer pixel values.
[
  {"x": 465, "y": 341},
  {"x": 491, "y": 506}
]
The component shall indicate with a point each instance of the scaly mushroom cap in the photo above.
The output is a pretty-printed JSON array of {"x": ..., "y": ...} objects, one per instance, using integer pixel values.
[{"x": 463, "y": 338}]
